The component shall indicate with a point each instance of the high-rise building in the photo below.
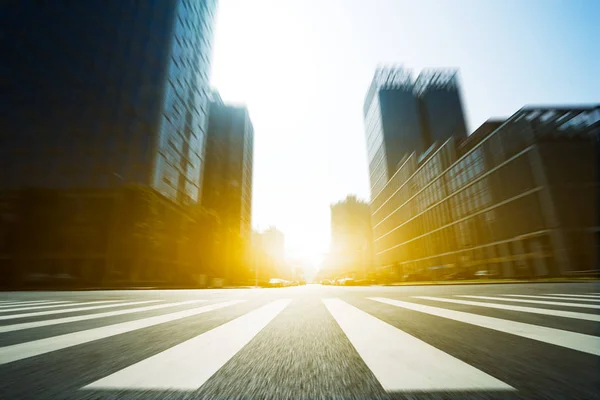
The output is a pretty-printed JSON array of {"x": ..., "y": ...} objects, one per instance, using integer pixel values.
[
  {"x": 273, "y": 241},
  {"x": 227, "y": 180},
  {"x": 516, "y": 198},
  {"x": 268, "y": 248},
  {"x": 351, "y": 252},
  {"x": 103, "y": 133},
  {"x": 441, "y": 106},
  {"x": 403, "y": 116},
  {"x": 107, "y": 92},
  {"x": 392, "y": 124}
]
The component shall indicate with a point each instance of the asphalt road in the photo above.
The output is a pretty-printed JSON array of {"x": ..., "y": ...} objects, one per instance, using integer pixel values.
[{"x": 309, "y": 342}]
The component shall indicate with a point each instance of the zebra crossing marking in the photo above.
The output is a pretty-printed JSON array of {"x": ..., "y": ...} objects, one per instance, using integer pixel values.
[
  {"x": 28, "y": 304},
  {"x": 589, "y": 295},
  {"x": 547, "y": 297},
  {"x": 76, "y": 309},
  {"x": 400, "y": 361},
  {"x": 42, "y": 346},
  {"x": 187, "y": 366},
  {"x": 542, "y": 311},
  {"x": 15, "y": 302},
  {"x": 571, "y": 340},
  {"x": 549, "y": 303},
  {"x": 55, "y": 306},
  {"x": 57, "y": 321}
]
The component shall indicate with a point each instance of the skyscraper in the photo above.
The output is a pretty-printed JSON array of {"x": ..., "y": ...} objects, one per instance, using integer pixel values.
[
  {"x": 107, "y": 92},
  {"x": 227, "y": 180},
  {"x": 403, "y": 116},
  {"x": 392, "y": 124},
  {"x": 441, "y": 106},
  {"x": 351, "y": 238},
  {"x": 273, "y": 241}
]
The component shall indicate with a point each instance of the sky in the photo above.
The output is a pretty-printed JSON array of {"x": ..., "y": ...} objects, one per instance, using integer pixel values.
[{"x": 303, "y": 68}]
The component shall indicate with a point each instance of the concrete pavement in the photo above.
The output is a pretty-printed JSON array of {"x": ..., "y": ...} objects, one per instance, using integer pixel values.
[{"x": 517, "y": 341}]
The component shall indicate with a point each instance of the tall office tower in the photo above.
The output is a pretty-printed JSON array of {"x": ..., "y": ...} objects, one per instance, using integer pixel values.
[
  {"x": 441, "y": 107},
  {"x": 403, "y": 116},
  {"x": 274, "y": 243},
  {"x": 103, "y": 93},
  {"x": 227, "y": 181},
  {"x": 392, "y": 124},
  {"x": 351, "y": 238},
  {"x": 269, "y": 249}
]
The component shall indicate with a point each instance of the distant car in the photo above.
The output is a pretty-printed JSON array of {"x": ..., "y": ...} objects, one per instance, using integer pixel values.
[
  {"x": 325, "y": 282},
  {"x": 345, "y": 282},
  {"x": 485, "y": 274},
  {"x": 275, "y": 282},
  {"x": 461, "y": 274}
]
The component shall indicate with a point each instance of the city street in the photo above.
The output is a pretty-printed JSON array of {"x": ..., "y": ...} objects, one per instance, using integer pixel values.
[{"x": 508, "y": 341}]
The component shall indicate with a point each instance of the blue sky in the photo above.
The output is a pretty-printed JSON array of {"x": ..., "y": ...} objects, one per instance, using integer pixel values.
[{"x": 303, "y": 68}]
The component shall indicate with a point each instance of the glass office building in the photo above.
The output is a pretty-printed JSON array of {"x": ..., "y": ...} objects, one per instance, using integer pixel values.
[
  {"x": 440, "y": 104},
  {"x": 104, "y": 93},
  {"x": 516, "y": 198},
  {"x": 392, "y": 123},
  {"x": 227, "y": 181},
  {"x": 403, "y": 116}
]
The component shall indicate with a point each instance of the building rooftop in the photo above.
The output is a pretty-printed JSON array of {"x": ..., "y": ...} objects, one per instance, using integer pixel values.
[{"x": 436, "y": 78}]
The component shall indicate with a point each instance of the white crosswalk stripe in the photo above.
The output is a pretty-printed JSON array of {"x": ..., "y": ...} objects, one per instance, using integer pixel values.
[
  {"x": 64, "y": 320},
  {"x": 37, "y": 347},
  {"x": 28, "y": 304},
  {"x": 76, "y": 309},
  {"x": 547, "y": 297},
  {"x": 32, "y": 301},
  {"x": 543, "y": 311},
  {"x": 550, "y": 303},
  {"x": 11, "y": 302},
  {"x": 572, "y": 340},
  {"x": 188, "y": 365},
  {"x": 589, "y": 295},
  {"x": 57, "y": 305},
  {"x": 402, "y": 362}
]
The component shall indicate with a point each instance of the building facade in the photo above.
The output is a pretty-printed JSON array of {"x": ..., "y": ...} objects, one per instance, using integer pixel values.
[
  {"x": 227, "y": 180},
  {"x": 516, "y": 198},
  {"x": 392, "y": 123},
  {"x": 351, "y": 251},
  {"x": 441, "y": 107},
  {"x": 95, "y": 237},
  {"x": 403, "y": 115},
  {"x": 105, "y": 115},
  {"x": 108, "y": 93},
  {"x": 273, "y": 241},
  {"x": 268, "y": 248}
]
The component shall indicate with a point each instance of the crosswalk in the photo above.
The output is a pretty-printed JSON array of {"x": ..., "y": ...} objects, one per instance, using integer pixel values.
[{"x": 379, "y": 329}]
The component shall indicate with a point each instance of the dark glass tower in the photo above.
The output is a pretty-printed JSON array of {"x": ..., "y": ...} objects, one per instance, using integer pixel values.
[
  {"x": 441, "y": 106},
  {"x": 392, "y": 124},
  {"x": 403, "y": 116},
  {"x": 227, "y": 182},
  {"x": 100, "y": 93}
]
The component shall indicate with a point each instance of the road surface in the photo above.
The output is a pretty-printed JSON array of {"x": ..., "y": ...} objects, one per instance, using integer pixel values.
[{"x": 520, "y": 341}]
